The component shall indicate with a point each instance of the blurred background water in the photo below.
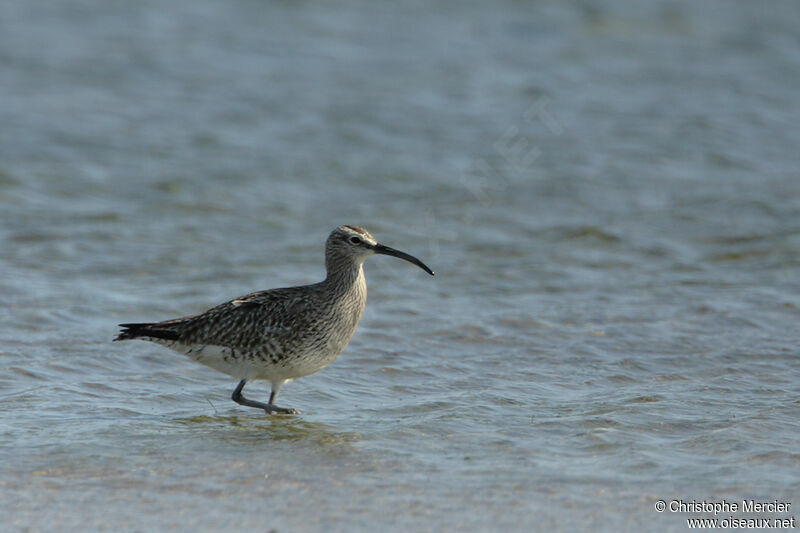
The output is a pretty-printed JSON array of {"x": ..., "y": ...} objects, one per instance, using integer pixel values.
[{"x": 608, "y": 192}]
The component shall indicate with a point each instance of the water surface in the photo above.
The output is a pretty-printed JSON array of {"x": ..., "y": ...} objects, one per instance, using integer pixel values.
[{"x": 609, "y": 195}]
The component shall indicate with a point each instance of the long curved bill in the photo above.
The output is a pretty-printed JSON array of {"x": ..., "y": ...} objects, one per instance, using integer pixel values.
[{"x": 385, "y": 250}]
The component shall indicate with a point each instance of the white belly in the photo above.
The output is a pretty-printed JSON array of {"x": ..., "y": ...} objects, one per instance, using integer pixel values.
[{"x": 239, "y": 366}]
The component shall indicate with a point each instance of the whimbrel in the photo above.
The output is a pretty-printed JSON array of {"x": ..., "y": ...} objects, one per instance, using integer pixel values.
[{"x": 280, "y": 334}]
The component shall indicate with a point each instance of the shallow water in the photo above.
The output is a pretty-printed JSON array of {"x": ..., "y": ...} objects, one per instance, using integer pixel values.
[{"x": 609, "y": 195}]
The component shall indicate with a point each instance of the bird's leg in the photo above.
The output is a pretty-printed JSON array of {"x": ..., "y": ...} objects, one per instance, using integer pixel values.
[
  {"x": 272, "y": 408},
  {"x": 241, "y": 400}
]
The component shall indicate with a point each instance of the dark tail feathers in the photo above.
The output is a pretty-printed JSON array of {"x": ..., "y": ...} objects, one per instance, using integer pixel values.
[{"x": 146, "y": 329}]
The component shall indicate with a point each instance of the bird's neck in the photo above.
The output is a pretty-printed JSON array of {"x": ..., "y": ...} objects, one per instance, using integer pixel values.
[{"x": 344, "y": 274}]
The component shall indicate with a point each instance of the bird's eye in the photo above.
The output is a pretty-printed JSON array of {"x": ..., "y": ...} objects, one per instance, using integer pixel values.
[{"x": 355, "y": 240}]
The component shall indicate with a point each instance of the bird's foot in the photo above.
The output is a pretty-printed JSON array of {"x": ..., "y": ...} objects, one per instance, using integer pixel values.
[{"x": 274, "y": 409}]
